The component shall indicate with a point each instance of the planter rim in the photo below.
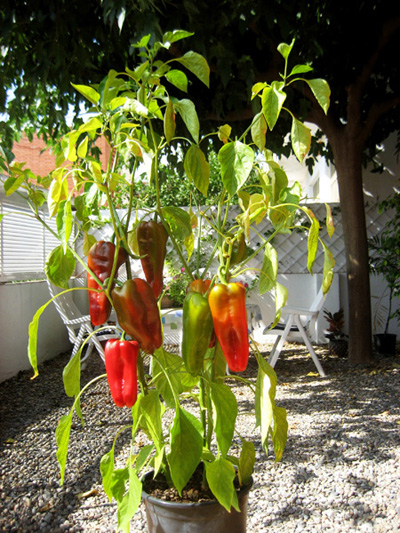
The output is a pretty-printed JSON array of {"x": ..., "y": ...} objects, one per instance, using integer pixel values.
[{"x": 185, "y": 505}]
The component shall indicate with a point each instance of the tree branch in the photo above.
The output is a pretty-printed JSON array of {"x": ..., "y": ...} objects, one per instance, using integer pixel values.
[{"x": 355, "y": 90}]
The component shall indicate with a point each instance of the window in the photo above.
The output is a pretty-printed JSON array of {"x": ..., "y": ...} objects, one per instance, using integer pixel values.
[{"x": 24, "y": 242}]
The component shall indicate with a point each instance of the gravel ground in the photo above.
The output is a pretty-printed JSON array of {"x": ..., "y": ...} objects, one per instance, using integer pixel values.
[{"x": 340, "y": 471}]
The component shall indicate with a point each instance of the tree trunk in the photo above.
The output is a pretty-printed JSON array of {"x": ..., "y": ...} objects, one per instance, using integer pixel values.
[{"x": 347, "y": 156}]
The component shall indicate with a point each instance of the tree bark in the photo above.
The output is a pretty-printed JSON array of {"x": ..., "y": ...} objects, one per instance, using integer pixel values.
[{"x": 347, "y": 152}]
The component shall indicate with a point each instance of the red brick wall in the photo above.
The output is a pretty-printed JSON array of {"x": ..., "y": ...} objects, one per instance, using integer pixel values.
[{"x": 43, "y": 162}]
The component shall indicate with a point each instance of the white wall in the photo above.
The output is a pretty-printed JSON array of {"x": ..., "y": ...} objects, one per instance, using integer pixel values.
[{"x": 18, "y": 304}]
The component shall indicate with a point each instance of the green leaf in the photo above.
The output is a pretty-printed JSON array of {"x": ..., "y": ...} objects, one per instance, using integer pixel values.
[
  {"x": 321, "y": 91},
  {"x": 82, "y": 148},
  {"x": 269, "y": 269},
  {"x": 329, "y": 263},
  {"x": 220, "y": 475},
  {"x": 70, "y": 151},
  {"x": 197, "y": 168},
  {"x": 62, "y": 439},
  {"x": 12, "y": 184},
  {"x": 152, "y": 410},
  {"x": 58, "y": 192},
  {"x": 188, "y": 113},
  {"x": 279, "y": 181},
  {"x": 247, "y": 461},
  {"x": 197, "y": 64},
  {"x": 60, "y": 266},
  {"x": 143, "y": 456},
  {"x": 265, "y": 400},
  {"x": 72, "y": 375},
  {"x": 173, "y": 365},
  {"x": 32, "y": 343},
  {"x": 224, "y": 415},
  {"x": 179, "y": 221},
  {"x": 259, "y": 130},
  {"x": 92, "y": 125},
  {"x": 279, "y": 431},
  {"x": 281, "y": 296},
  {"x": 312, "y": 241},
  {"x": 169, "y": 122},
  {"x": 64, "y": 221},
  {"x": 186, "y": 443},
  {"x": 301, "y": 139},
  {"x": 224, "y": 132},
  {"x": 130, "y": 502},
  {"x": 170, "y": 37},
  {"x": 236, "y": 161},
  {"x": 272, "y": 100},
  {"x": 330, "y": 228},
  {"x": 178, "y": 79},
  {"x": 300, "y": 69},
  {"x": 284, "y": 49},
  {"x": 119, "y": 478},
  {"x": 107, "y": 464},
  {"x": 88, "y": 241},
  {"x": 88, "y": 92}
]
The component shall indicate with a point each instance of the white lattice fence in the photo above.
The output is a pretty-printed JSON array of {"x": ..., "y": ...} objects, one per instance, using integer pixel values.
[{"x": 292, "y": 248}]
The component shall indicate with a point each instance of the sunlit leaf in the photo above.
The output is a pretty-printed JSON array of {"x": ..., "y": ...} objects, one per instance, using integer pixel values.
[
  {"x": 60, "y": 266},
  {"x": 88, "y": 92},
  {"x": 186, "y": 442},
  {"x": 188, "y": 113},
  {"x": 197, "y": 64},
  {"x": 269, "y": 269},
  {"x": 197, "y": 168},
  {"x": 236, "y": 159},
  {"x": 220, "y": 475},
  {"x": 301, "y": 139},
  {"x": 321, "y": 91},
  {"x": 272, "y": 100}
]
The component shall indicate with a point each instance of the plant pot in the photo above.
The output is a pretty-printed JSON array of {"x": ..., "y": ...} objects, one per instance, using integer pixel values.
[
  {"x": 338, "y": 347},
  {"x": 199, "y": 517},
  {"x": 385, "y": 343}
]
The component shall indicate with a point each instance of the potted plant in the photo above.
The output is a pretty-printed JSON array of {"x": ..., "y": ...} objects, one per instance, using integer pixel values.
[
  {"x": 138, "y": 116},
  {"x": 385, "y": 261},
  {"x": 338, "y": 344}
]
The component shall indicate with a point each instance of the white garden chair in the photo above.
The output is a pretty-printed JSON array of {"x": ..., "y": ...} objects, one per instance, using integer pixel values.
[
  {"x": 78, "y": 325},
  {"x": 297, "y": 321}
]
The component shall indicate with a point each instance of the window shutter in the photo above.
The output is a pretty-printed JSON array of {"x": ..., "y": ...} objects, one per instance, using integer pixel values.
[{"x": 25, "y": 243}]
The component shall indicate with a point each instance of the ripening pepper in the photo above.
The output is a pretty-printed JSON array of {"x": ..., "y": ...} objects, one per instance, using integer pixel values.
[
  {"x": 138, "y": 314},
  {"x": 197, "y": 330},
  {"x": 100, "y": 261},
  {"x": 239, "y": 250},
  {"x": 120, "y": 359},
  {"x": 152, "y": 244},
  {"x": 228, "y": 309},
  {"x": 199, "y": 285}
]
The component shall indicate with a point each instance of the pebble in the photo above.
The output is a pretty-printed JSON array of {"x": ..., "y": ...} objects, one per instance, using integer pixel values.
[{"x": 339, "y": 472}]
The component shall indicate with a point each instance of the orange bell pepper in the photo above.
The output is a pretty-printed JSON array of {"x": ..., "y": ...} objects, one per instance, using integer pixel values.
[{"x": 228, "y": 309}]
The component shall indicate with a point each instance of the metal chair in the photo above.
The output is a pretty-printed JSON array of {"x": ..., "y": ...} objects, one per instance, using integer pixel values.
[
  {"x": 78, "y": 325},
  {"x": 297, "y": 320}
]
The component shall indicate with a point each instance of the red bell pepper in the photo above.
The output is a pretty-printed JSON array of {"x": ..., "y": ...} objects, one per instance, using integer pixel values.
[
  {"x": 120, "y": 360},
  {"x": 152, "y": 245},
  {"x": 228, "y": 309},
  {"x": 100, "y": 261},
  {"x": 138, "y": 314}
]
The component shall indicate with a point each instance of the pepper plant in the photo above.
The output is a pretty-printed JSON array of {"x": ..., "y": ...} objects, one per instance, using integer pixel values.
[{"x": 139, "y": 115}]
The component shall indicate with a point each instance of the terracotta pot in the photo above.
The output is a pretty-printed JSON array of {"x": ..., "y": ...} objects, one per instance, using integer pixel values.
[{"x": 200, "y": 517}]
